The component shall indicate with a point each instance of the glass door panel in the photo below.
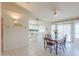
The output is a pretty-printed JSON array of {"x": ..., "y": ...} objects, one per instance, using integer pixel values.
[
  {"x": 67, "y": 30},
  {"x": 60, "y": 31},
  {"x": 64, "y": 29},
  {"x": 76, "y": 30},
  {"x": 52, "y": 32}
]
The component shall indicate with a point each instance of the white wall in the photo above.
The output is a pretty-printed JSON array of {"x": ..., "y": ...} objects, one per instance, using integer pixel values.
[{"x": 15, "y": 37}]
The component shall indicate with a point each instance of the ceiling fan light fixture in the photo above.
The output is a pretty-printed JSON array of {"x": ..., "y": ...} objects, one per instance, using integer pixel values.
[
  {"x": 15, "y": 22},
  {"x": 55, "y": 12}
]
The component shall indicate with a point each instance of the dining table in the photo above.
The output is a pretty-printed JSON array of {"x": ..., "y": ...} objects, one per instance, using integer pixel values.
[{"x": 56, "y": 44}]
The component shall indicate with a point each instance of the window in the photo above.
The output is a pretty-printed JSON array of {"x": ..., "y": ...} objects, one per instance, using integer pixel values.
[
  {"x": 52, "y": 32},
  {"x": 33, "y": 26},
  {"x": 67, "y": 30},
  {"x": 62, "y": 30},
  {"x": 76, "y": 30}
]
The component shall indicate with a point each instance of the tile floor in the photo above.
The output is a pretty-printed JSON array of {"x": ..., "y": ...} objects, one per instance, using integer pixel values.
[{"x": 36, "y": 48}]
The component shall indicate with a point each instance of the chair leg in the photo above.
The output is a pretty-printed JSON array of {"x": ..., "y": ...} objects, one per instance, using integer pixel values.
[
  {"x": 46, "y": 47},
  {"x": 54, "y": 47},
  {"x": 50, "y": 49},
  {"x": 65, "y": 46}
]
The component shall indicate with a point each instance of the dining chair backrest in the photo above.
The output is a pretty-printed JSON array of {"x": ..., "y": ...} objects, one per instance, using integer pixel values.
[
  {"x": 47, "y": 36},
  {"x": 49, "y": 41},
  {"x": 64, "y": 40}
]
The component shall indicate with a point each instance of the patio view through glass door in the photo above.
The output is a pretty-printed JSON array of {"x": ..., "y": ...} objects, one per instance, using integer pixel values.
[
  {"x": 76, "y": 34},
  {"x": 63, "y": 29},
  {"x": 76, "y": 30}
]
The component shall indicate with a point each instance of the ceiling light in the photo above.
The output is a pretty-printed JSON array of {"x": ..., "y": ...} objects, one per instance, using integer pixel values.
[
  {"x": 13, "y": 14},
  {"x": 54, "y": 12},
  {"x": 15, "y": 22},
  {"x": 37, "y": 19}
]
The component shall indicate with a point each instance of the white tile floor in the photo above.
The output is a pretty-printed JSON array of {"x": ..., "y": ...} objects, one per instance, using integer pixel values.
[{"x": 36, "y": 48}]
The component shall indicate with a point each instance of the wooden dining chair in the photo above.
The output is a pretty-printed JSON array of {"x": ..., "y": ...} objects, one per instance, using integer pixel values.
[
  {"x": 49, "y": 44},
  {"x": 62, "y": 43}
]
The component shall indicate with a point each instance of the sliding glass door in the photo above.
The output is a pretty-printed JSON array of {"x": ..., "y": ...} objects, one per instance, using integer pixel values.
[
  {"x": 60, "y": 30},
  {"x": 67, "y": 30},
  {"x": 52, "y": 32},
  {"x": 76, "y": 34},
  {"x": 76, "y": 27},
  {"x": 63, "y": 29}
]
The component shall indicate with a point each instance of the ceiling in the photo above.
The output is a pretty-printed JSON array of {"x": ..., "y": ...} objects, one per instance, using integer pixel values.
[{"x": 44, "y": 10}]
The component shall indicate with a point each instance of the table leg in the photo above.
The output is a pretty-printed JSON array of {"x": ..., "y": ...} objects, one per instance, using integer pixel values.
[
  {"x": 56, "y": 48},
  {"x": 44, "y": 43}
]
